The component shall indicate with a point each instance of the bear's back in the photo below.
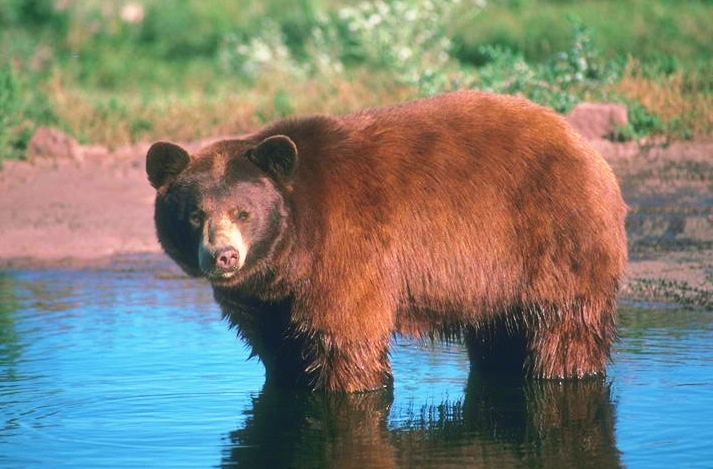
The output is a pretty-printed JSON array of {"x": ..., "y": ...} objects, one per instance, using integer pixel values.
[{"x": 458, "y": 200}]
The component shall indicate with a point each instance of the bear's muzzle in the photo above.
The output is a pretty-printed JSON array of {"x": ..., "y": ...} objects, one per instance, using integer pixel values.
[{"x": 222, "y": 250}]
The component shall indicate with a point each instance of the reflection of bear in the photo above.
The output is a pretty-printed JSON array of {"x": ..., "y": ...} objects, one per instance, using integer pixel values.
[
  {"x": 503, "y": 423},
  {"x": 320, "y": 430},
  {"x": 466, "y": 215}
]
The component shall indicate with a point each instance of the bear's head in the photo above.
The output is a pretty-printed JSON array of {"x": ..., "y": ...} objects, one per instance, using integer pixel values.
[{"x": 222, "y": 212}]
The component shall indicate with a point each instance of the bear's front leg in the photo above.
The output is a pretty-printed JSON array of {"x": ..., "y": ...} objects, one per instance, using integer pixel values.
[
  {"x": 267, "y": 329},
  {"x": 344, "y": 360},
  {"x": 348, "y": 366},
  {"x": 347, "y": 342}
]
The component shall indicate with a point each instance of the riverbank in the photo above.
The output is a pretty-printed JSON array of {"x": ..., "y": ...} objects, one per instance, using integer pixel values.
[{"x": 96, "y": 211}]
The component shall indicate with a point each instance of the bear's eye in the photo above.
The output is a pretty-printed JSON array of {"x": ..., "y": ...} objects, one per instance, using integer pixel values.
[
  {"x": 195, "y": 218},
  {"x": 241, "y": 215}
]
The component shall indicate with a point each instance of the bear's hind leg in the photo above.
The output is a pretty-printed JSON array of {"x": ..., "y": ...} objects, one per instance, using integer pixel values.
[
  {"x": 573, "y": 341},
  {"x": 497, "y": 347}
]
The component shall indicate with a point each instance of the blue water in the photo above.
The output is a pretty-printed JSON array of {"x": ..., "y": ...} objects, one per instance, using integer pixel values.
[{"x": 131, "y": 367}]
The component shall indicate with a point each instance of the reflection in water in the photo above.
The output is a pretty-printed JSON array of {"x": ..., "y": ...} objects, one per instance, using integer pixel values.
[
  {"x": 497, "y": 424},
  {"x": 133, "y": 368},
  {"x": 10, "y": 347},
  {"x": 313, "y": 430}
]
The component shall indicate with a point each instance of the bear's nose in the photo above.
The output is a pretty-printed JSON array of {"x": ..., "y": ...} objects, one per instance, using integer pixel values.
[{"x": 227, "y": 259}]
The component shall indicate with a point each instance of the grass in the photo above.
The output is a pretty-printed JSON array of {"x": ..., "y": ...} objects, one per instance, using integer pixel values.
[
  {"x": 665, "y": 34},
  {"x": 210, "y": 68},
  {"x": 683, "y": 103}
]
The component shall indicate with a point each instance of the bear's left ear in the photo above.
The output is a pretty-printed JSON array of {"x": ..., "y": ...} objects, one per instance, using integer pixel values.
[
  {"x": 276, "y": 155},
  {"x": 164, "y": 162}
]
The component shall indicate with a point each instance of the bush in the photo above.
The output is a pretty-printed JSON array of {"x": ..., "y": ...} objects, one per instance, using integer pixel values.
[
  {"x": 33, "y": 14},
  {"x": 188, "y": 68},
  {"x": 407, "y": 38},
  {"x": 180, "y": 31},
  {"x": 643, "y": 122},
  {"x": 559, "y": 83},
  {"x": 9, "y": 105},
  {"x": 263, "y": 53},
  {"x": 21, "y": 112}
]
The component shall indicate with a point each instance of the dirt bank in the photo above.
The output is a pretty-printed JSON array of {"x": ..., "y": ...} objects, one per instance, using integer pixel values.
[
  {"x": 77, "y": 210},
  {"x": 87, "y": 211}
]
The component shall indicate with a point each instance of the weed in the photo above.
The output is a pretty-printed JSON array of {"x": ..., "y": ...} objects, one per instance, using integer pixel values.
[
  {"x": 21, "y": 111},
  {"x": 677, "y": 292},
  {"x": 280, "y": 107},
  {"x": 642, "y": 122},
  {"x": 559, "y": 83},
  {"x": 407, "y": 37},
  {"x": 199, "y": 68},
  {"x": 678, "y": 106},
  {"x": 624, "y": 133},
  {"x": 9, "y": 105},
  {"x": 266, "y": 52}
]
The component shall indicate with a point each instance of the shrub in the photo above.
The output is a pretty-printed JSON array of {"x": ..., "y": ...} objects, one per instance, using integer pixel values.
[
  {"x": 22, "y": 110},
  {"x": 9, "y": 105},
  {"x": 408, "y": 38},
  {"x": 180, "y": 31},
  {"x": 33, "y": 14},
  {"x": 642, "y": 121},
  {"x": 559, "y": 83},
  {"x": 264, "y": 52}
]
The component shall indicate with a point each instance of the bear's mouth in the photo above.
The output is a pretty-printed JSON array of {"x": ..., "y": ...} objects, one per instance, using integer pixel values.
[
  {"x": 220, "y": 276},
  {"x": 223, "y": 279}
]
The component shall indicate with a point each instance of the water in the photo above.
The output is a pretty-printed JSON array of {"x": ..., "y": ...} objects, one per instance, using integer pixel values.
[{"x": 132, "y": 368}]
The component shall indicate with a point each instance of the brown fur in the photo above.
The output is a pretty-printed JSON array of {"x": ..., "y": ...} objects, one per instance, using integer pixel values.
[{"x": 466, "y": 215}]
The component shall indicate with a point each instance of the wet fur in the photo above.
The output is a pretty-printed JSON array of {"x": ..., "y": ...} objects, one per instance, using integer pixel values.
[{"x": 469, "y": 215}]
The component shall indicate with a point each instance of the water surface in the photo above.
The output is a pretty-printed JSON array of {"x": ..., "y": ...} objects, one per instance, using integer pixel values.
[{"x": 131, "y": 368}]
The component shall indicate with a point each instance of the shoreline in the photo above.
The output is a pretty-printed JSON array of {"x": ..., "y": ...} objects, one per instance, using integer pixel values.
[{"x": 97, "y": 213}]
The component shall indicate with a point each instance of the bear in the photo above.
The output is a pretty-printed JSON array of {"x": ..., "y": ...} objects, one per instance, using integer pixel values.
[{"x": 469, "y": 216}]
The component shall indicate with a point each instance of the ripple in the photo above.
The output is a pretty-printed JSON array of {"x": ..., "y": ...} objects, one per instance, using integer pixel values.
[{"x": 122, "y": 369}]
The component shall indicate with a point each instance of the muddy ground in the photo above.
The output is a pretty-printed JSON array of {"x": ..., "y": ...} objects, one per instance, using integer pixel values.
[{"x": 96, "y": 211}]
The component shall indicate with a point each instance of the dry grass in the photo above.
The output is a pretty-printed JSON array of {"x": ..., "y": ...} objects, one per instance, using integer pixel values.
[
  {"x": 229, "y": 110},
  {"x": 676, "y": 99},
  {"x": 180, "y": 74}
]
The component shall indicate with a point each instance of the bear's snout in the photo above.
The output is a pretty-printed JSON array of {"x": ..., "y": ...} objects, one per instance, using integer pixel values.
[
  {"x": 221, "y": 263},
  {"x": 227, "y": 259},
  {"x": 222, "y": 250}
]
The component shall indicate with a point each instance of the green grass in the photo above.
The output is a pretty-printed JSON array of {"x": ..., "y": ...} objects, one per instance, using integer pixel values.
[
  {"x": 206, "y": 68},
  {"x": 665, "y": 34}
]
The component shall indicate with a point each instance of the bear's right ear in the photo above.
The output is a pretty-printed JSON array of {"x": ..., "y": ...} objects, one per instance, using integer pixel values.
[{"x": 164, "y": 162}]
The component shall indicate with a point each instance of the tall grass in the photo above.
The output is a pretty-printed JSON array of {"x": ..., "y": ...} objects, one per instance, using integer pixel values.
[{"x": 193, "y": 68}]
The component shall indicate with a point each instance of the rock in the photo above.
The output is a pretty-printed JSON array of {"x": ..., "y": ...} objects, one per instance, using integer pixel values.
[
  {"x": 94, "y": 152},
  {"x": 51, "y": 143},
  {"x": 594, "y": 120}
]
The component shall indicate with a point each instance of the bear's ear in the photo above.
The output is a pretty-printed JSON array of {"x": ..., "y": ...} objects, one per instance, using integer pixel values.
[
  {"x": 276, "y": 155},
  {"x": 164, "y": 162}
]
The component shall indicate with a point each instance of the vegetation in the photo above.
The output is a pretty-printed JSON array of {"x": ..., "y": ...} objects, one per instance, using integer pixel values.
[{"x": 121, "y": 72}]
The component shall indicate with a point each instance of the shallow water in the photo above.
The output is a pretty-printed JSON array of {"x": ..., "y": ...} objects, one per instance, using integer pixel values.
[{"x": 127, "y": 368}]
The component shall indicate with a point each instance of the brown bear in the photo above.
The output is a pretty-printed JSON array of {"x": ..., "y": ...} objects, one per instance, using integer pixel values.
[{"x": 468, "y": 216}]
